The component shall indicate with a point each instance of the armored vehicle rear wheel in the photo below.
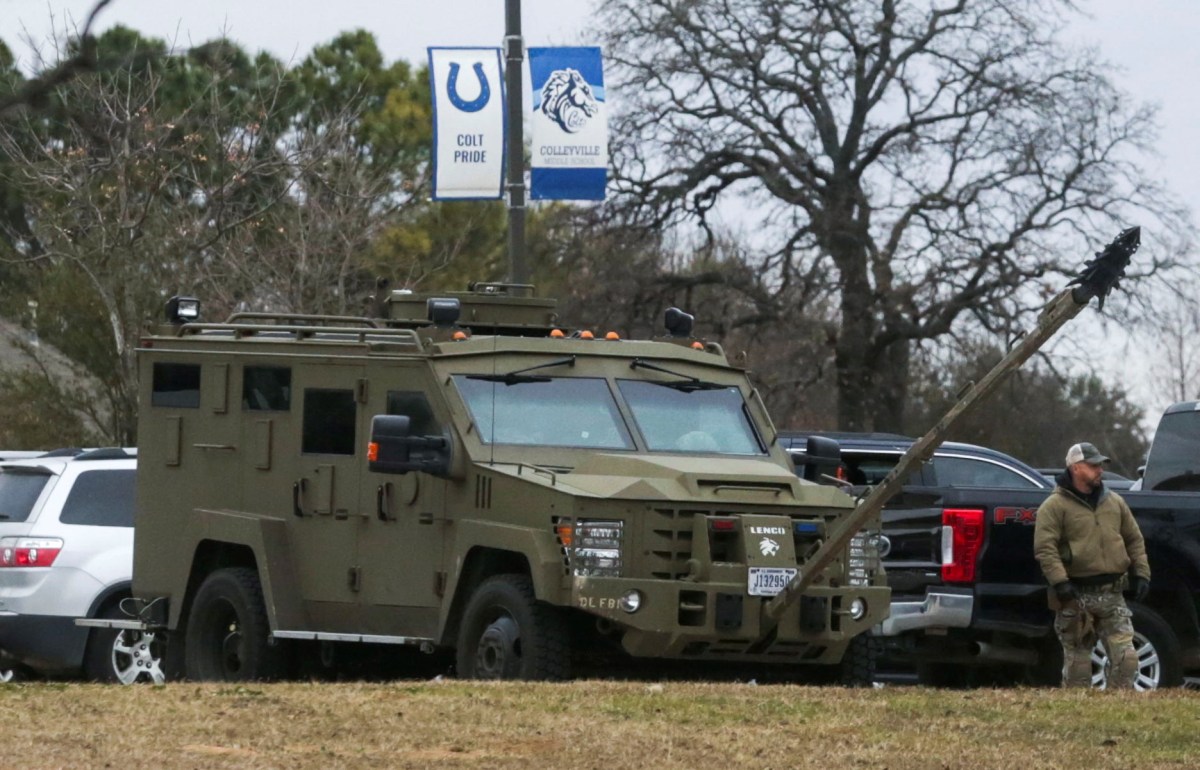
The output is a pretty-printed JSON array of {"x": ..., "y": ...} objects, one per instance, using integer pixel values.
[
  {"x": 124, "y": 656},
  {"x": 227, "y": 632},
  {"x": 507, "y": 634}
]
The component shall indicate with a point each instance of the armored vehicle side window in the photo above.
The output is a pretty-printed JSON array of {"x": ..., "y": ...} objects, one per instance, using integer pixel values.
[
  {"x": 267, "y": 388},
  {"x": 19, "y": 491},
  {"x": 329, "y": 422},
  {"x": 176, "y": 385},
  {"x": 562, "y": 411},
  {"x": 673, "y": 420},
  {"x": 415, "y": 406},
  {"x": 101, "y": 499}
]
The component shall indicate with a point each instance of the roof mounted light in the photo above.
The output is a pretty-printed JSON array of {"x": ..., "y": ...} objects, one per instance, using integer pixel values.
[
  {"x": 679, "y": 323},
  {"x": 182, "y": 310},
  {"x": 443, "y": 311}
]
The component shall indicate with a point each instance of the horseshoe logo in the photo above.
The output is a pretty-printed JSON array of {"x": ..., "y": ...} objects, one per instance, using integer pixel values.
[{"x": 476, "y": 104}]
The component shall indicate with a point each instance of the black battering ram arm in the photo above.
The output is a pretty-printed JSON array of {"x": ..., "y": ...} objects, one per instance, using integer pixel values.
[{"x": 1097, "y": 279}]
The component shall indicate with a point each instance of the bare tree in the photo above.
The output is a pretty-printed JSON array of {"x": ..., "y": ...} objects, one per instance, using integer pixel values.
[
  {"x": 81, "y": 59},
  {"x": 1176, "y": 369},
  {"x": 157, "y": 177},
  {"x": 925, "y": 164}
]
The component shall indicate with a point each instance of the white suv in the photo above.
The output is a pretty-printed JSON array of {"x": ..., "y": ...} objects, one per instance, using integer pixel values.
[{"x": 66, "y": 552}]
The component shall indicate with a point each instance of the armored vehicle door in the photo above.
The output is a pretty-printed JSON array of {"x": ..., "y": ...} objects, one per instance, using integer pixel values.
[
  {"x": 320, "y": 473},
  {"x": 401, "y": 544}
]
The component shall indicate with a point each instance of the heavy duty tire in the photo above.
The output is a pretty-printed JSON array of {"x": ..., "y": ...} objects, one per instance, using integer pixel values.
[
  {"x": 1157, "y": 647},
  {"x": 124, "y": 656},
  {"x": 507, "y": 634},
  {"x": 228, "y": 633},
  {"x": 860, "y": 662}
]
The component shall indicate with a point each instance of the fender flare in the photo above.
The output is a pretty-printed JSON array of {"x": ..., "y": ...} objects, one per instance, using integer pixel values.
[{"x": 266, "y": 538}]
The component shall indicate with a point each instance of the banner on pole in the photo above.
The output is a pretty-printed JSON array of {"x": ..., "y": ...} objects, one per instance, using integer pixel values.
[
  {"x": 570, "y": 124},
  {"x": 468, "y": 123}
]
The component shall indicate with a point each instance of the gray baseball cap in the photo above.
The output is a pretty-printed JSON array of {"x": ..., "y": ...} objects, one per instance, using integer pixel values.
[{"x": 1085, "y": 453}]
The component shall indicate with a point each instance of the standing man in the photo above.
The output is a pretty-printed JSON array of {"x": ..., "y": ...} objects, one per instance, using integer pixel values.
[{"x": 1086, "y": 540}]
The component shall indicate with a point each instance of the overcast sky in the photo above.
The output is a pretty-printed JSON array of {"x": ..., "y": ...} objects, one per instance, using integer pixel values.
[{"x": 1152, "y": 42}]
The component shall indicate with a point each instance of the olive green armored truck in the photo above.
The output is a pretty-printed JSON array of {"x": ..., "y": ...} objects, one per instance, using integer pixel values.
[{"x": 462, "y": 474}]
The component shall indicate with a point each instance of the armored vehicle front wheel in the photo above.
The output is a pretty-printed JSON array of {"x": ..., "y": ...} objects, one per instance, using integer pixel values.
[
  {"x": 507, "y": 634},
  {"x": 124, "y": 656},
  {"x": 227, "y": 632}
]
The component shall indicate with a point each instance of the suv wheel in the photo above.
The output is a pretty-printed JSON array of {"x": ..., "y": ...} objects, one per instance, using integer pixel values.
[
  {"x": 228, "y": 632},
  {"x": 124, "y": 655},
  {"x": 507, "y": 634}
]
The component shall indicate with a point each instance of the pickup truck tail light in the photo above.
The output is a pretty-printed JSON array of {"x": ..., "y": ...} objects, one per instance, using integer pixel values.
[
  {"x": 29, "y": 551},
  {"x": 962, "y": 537}
]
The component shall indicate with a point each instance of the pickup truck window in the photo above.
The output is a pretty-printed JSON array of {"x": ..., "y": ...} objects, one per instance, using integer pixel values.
[
  {"x": 575, "y": 412},
  {"x": 1174, "y": 461},
  {"x": 674, "y": 420},
  {"x": 967, "y": 472}
]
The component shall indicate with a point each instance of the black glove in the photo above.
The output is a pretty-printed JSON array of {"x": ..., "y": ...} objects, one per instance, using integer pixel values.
[
  {"x": 1139, "y": 587},
  {"x": 1065, "y": 592}
]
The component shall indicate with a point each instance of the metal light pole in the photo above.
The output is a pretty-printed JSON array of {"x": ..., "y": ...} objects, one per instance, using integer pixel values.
[{"x": 514, "y": 54}]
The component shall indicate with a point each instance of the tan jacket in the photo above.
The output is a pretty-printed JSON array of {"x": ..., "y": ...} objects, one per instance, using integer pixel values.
[{"x": 1071, "y": 540}]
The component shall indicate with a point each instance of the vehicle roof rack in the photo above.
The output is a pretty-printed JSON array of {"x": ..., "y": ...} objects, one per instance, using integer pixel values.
[
  {"x": 63, "y": 452},
  {"x": 106, "y": 453}
]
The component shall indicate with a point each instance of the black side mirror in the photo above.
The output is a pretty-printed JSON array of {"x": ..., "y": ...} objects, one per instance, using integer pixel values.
[
  {"x": 394, "y": 450},
  {"x": 822, "y": 457}
]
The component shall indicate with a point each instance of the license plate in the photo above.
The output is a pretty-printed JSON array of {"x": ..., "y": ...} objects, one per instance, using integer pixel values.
[{"x": 769, "y": 581}]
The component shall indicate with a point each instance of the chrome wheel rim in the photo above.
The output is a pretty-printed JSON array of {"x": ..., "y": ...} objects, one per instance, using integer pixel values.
[
  {"x": 135, "y": 657},
  {"x": 1149, "y": 670}
]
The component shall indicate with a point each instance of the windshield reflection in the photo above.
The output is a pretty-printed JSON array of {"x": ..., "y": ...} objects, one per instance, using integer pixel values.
[
  {"x": 672, "y": 420},
  {"x": 563, "y": 412}
]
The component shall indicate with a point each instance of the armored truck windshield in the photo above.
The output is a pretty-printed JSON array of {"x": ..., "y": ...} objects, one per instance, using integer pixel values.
[
  {"x": 582, "y": 413},
  {"x": 577, "y": 412},
  {"x": 675, "y": 420}
]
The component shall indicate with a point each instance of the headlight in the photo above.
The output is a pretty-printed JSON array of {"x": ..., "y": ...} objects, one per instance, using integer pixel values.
[
  {"x": 858, "y": 609},
  {"x": 631, "y": 601},
  {"x": 596, "y": 548}
]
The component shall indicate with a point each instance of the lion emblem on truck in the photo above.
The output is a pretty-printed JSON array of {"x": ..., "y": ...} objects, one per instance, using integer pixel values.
[{"x": 567, "y": 99}]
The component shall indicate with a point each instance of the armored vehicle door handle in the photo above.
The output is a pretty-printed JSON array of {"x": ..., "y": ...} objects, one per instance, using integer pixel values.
[
  {"x": 216, "y": 447},
  {"x": 383, "y": 502},
  {"x": 297, "y": 491}
]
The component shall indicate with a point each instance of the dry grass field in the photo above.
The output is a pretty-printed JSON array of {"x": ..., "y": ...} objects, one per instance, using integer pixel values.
[{"x": 591, "y": 724}]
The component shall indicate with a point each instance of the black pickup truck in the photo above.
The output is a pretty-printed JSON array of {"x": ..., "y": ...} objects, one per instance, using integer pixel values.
[{"x": 968, "y": 599}]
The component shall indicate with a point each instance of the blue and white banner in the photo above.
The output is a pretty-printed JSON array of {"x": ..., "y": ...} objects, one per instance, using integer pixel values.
[
  {"x": 570, "y": 124},
  {"x": 468, "y": 123}
]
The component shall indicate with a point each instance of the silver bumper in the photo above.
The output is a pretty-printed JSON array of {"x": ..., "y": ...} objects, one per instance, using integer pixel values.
[{"x": 938, "y": 610}]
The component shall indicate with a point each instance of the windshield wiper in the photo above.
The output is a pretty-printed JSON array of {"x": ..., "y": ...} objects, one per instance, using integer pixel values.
[
  {"x": 519, "y": 376},
  {"x": 690, "y": 385}
]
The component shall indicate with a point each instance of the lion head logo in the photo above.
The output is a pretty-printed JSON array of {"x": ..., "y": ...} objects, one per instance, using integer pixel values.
[{"x": 568, "y": 100}]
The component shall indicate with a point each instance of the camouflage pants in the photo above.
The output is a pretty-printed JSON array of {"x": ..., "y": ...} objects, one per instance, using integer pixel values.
[{"x": 1097, "y": 615}]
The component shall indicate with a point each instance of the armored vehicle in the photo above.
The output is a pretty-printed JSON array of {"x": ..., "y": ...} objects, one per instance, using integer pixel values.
[{"x": 462, "y": 474}]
